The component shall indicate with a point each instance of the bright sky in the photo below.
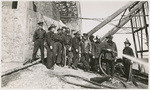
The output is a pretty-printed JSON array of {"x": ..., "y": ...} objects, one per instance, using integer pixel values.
[
  {"x": 97, "y": 9},
  {"x": 103, "y": 9}
]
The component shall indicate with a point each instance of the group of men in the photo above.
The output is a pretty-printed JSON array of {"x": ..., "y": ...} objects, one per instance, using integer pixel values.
[{"x": 63, "y": 49}]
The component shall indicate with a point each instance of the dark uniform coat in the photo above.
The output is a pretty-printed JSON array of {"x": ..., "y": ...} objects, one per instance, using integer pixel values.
[
  {"x": 50, "y": 43},
  {"x": 75, "y": 46},
  {"x": 85, "y": 49},
  {"x": 98, "y": 49},
  {"x": 68, "y": 45},
  {"x": 109, "y": 56},
  {"x": 109, "y": 45},
  {"x": 63, "y": 35},
  {"x": 57, "y": 51}
]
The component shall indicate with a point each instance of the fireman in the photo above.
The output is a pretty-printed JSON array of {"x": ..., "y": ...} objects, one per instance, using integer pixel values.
[
  {"x": 50, "y": 46},
  {"x": 75, "y": 50},
  {"x": 57, "y": 51},
  {"x": 85, "y": 51},
  {"x": 63, "y": 56},
  {"x": 110, "y": 51},
  {"x": 68, "y": 47},
  {"x": 39, "y": 39},
  {"x": 98, "y": 50},
  {"x": 127, "y": 63}
]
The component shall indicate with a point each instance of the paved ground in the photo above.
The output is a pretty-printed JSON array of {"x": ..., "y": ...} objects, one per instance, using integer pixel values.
[{"x": 38, "y": 76}]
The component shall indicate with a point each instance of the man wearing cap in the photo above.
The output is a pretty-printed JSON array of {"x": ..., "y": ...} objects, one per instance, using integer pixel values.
[
  {"x": 38, "y": 39},
  {"x": 68, "y": 46},
  {"x": 85, "y": 51},
  {"x": 127, "y": 63},
  {"x": 92, "y": 55},
  {"x": 97, "y": 51},
  {"x": 63, "y": 56},
  {"x": 110, "y": 53},
  {"x": 57, "y": 51},
  {"x": 49, "y": 46},
  {"x": 75, "y": 50}
]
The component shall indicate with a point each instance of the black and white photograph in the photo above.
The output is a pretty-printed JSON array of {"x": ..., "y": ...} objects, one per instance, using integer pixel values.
[{"x": 83, "y": 44}]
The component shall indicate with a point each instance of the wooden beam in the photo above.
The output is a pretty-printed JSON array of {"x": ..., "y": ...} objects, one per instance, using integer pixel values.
[
  {"x": 123, "y": 22},
  {"x": 110, "y": 18},
  {"x": 142, "y": 51}
]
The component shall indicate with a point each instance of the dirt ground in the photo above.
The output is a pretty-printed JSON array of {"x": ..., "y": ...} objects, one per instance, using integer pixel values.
[{"x": 39, "y": 77}]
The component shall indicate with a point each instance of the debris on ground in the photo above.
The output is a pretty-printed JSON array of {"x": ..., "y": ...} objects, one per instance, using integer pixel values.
[{"x": 38, "y": 76}]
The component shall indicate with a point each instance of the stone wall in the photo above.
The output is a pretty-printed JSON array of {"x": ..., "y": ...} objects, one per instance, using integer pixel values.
[
  {"x": 18, "y": 26},
  {"x": 45, "y": 13},
  {"x": 76, "y": 24},
  {"x": 13, "y": 31}
]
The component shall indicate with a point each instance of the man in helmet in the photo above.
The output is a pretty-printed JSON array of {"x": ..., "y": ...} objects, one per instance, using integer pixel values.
[
  {"x": 92, "y": 54},
  {"x": 98, "y": 49},
  {"x": 68, "y": 47},
  {"x": 85, "y": 45},
  {"x": 127, "y": 63},
  {"x": 110, "y": 51},
  {"x": 63, "y": 56}
]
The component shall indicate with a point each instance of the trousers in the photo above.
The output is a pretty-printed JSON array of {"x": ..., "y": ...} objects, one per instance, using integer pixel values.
[
  {"x": 94, "y": 63},
  {"x": 39, "y": 43},
  {"x": 110, "y": 67},
  {"x": 49, "y": 61},
  {"x": 127, "y": 65},
  {"x": 69, "y": 54},
  {"x": 75, "y": 58},
  {"x": 85, "y": 60},
  {"x": 57, "y": 52}
]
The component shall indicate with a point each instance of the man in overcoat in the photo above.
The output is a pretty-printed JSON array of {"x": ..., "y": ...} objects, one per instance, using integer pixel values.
[
  {"x": 110, "y": 53},
  {"x": 75, "y": 50},
  {"x": 50, "y": 46}
]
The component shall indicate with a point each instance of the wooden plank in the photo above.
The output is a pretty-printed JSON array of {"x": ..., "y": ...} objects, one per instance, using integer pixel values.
[
  {"x": 130, "y": 15},
  {"x": 110, "y": 18}
]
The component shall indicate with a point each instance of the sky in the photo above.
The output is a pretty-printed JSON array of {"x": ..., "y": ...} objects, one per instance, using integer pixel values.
[
  {"x": 97, "y": 9},
  {"x": 103, "y": 9}
]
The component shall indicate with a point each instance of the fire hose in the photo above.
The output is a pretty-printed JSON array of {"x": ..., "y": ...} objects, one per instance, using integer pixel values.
[
  {"x": 99, "y": 86},
  {"x": 128, "y": 57}
]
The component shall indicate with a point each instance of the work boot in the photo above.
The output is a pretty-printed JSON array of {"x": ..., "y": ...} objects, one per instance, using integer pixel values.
[
  {"x": 69, "y": 66},
  {"x": 62, "y": 65},
  {"x": 58, "y": 64},
  {"x": 32, "y": 60},
  {"x": 52, "y": 68},
  {"x": 74, "y": 67},
  {"x": 42, "y": 61}
]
